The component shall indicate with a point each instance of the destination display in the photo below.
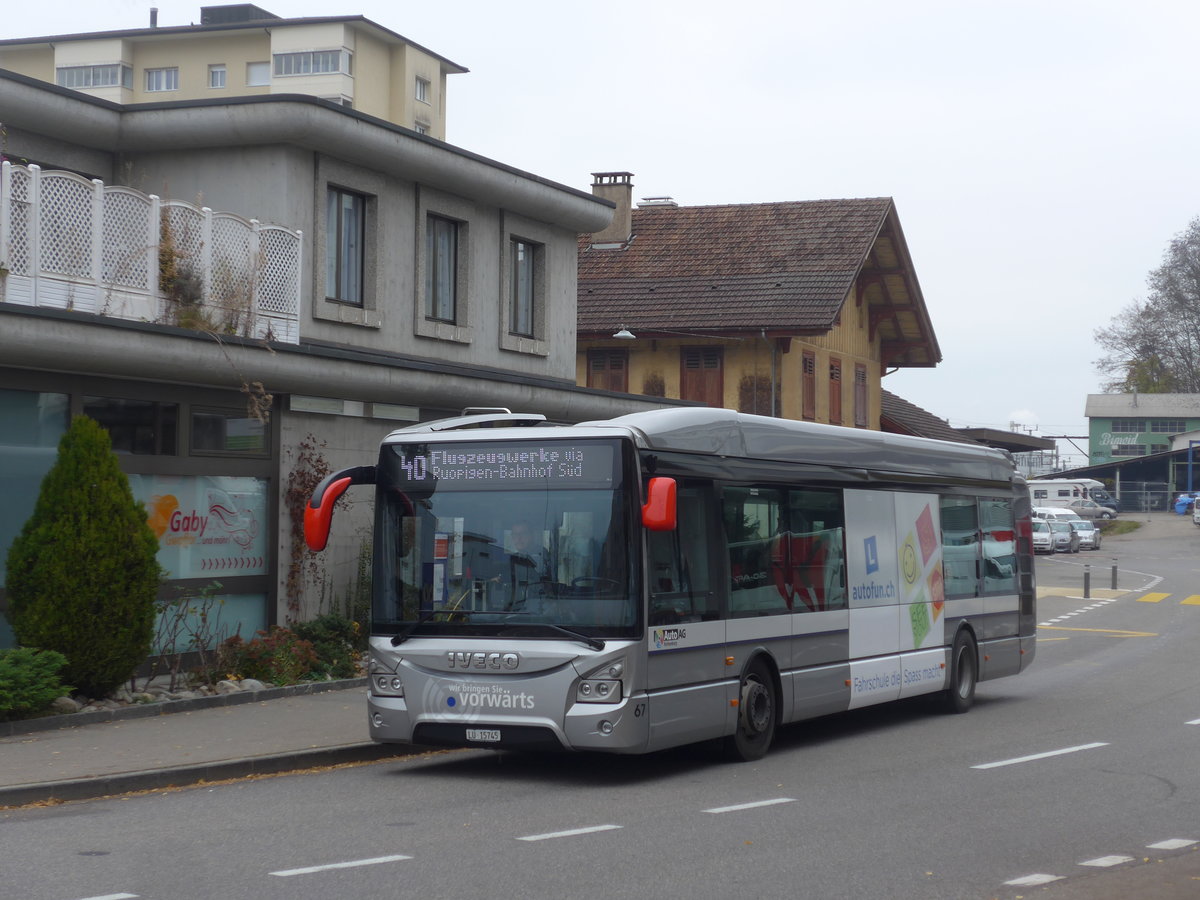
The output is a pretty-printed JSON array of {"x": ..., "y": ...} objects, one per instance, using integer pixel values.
[{"x": 547, "y": 464}]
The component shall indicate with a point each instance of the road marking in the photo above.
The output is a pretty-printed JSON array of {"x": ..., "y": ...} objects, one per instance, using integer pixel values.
[
  {"x": 1113, "y": 631},
  {"x": 308, "y": 870},
  {"x": 725, "y": 809},
  {"x": 1193, "y": 600},
  {"x": 1033, "y": 880},
  {"x": 1193, "y": 722},
  {"x": 572, "y": 833},
  {"x": 1105, "y": 862},
  {"x": 114, "y": 897},
  {"x": 1036, "y": 756},
  {"x": 1152, "y": 598},
  {"x": 1171, "y": 844}
]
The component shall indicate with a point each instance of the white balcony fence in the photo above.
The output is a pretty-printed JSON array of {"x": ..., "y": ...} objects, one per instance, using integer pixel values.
[{"x": 70, "y": 243}]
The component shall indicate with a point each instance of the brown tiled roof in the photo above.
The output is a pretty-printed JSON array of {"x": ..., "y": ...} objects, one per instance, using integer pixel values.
[
  {"x": 901, "y": 417},
  {"x": 774, "y": 265}
]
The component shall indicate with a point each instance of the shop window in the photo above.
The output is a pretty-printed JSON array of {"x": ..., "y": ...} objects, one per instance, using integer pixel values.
[
  {"x": 139, "y": 427},
  {"x": 228, "y": 432}
]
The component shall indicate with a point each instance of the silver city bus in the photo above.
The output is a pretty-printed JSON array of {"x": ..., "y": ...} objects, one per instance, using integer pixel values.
[{"x": 680, "y": 575}]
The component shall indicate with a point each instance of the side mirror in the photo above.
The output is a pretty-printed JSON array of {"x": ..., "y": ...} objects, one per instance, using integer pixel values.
[
  {"x": 318, "y": 512},
  {"x": 659, "y": 513}
]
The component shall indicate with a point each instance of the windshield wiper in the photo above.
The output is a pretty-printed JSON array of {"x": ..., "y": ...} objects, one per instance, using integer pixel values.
[
  {"x": 594, "y": 643},
  {"x": 401, "y": 637}
]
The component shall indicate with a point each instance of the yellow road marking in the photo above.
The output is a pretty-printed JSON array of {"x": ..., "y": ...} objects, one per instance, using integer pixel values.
[
  {"x": 1193, "y": 600},
  {"x": 1113, "y": 631},
  {"x": 1152, "y": 598}
]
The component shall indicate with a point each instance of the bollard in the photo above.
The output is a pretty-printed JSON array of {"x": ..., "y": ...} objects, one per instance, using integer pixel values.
[
  {"x": 1114, "y": 574},
  {"x": 1087, "y": 582}
]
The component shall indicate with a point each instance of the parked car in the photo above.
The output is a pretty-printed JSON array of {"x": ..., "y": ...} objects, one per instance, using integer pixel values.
[
  {"x": 1043, "y": 537},
  {"x": 1089, "y": 533},
  {"x": 1196, "y": 514},
  {"x": 1090, "y": 509},
  {"x": 1066, "y": 538},
  {"x": 1055, "y": 513}
]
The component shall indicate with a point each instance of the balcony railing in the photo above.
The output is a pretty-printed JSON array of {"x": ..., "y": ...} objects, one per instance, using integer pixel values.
[{"x": 70, "y": 243}]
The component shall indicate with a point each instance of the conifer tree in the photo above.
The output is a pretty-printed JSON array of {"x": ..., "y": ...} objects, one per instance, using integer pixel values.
[{"x": 82, "y": 574}]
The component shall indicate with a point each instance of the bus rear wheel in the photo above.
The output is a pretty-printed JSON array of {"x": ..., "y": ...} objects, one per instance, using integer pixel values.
[
  {"x": 758, "y": 706},
  {"x": 964, "y": 673}
]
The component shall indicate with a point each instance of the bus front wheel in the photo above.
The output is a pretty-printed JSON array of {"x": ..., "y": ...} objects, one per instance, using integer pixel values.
[
  {"x": 758, "y": 704},
  {"x": 964, "y": 673}
]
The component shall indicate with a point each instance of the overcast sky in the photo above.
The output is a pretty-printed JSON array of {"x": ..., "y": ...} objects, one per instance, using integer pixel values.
[{"x": 1041, "y": 154}]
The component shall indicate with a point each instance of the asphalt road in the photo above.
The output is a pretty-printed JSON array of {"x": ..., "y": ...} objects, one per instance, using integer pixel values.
[{"x": 1083, "y": 769}]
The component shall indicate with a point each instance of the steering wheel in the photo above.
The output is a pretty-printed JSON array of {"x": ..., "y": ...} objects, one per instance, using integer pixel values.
[{"x": 596, "y": 581}]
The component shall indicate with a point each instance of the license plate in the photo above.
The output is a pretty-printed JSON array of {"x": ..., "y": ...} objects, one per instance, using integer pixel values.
[{"x": 487, "y": 735}]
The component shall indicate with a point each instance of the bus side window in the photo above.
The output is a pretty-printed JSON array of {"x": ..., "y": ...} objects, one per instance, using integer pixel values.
[
  {"x": 960, "y": 546},
  {"x": 999, "y": 545},
  {"x": 753, "y": 520},
  {"x": 677, "y": 564},
  {"x": 816, "y": 550}
]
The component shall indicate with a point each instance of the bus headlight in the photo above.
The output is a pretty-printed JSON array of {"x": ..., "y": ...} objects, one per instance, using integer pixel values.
[
  {"x": 602, "y": 685},
  {"x": 385, "y": 685}
]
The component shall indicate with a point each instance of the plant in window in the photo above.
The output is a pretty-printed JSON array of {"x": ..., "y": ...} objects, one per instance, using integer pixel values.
[{"x": 83, "y": 573}]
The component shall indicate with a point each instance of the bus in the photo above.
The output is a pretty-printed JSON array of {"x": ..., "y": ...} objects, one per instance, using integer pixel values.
[{"x": 677, "y": 576}]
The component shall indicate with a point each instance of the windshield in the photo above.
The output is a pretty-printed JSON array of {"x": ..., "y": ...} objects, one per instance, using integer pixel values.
[{"x": 516, "y": 538}]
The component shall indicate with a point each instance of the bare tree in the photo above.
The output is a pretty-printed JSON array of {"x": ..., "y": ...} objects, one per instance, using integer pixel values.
[{"x": 1153, "y": 345}]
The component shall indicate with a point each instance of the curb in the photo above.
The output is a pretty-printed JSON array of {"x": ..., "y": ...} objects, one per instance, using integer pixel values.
[
  {"x": 188, "y": 776},
  {"x": 167, "y": 707}
]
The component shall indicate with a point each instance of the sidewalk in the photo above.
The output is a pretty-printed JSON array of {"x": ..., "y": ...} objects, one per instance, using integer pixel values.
[{"x": 185, "y": 742}]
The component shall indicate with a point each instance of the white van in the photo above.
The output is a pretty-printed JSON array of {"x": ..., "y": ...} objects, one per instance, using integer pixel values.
[
  {"x": 1061, "y": 491},
  {"x": 1055, "y": 513}
]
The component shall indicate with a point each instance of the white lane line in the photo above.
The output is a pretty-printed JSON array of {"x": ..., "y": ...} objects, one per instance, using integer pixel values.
[
  {"x": 574, "y": 832},
  {"x": 1193, "y": 722},
  {"x": 755, "y": 805},
  {"x": 1171, "y": 844},
  {"x": 1105, "y": 862},
  {"x": 308, "y": 870},
  {"x": 114, "y": 897},
  {"x": 1034, "y": 880},
  {"x": 1036, "y": 756}
]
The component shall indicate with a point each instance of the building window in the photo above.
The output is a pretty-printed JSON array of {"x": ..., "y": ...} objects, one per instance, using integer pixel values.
[
  {"x": 524, "y": 294},
  {"x": 808, "y": 386},
  {"x": 608, "y": 368},
  {"x": 114, "y": 75},
  {"x": 441, "y": 269},
  {"x": 138, "y": 427},
  {"x": 345, "y": 232},
  {"x": 835, "y": 392},
  {"x": 1167, "y": 426},
  {"x": 158, "y": 80},
  {"x": 216, "y": 76},
  {"x": 421, "y": 127},
  {"x": 1128, "y": 426},
  {"x": 702, "y": 375},
  {"x": 1129, "y": 450},
  {"x": 227, "y": 432},
  {"x": 860, "y": 395},
  {"x": 258, "y": 74},
  {"x": 312, "y": 62},
  {"x": 422, "y": 90}
]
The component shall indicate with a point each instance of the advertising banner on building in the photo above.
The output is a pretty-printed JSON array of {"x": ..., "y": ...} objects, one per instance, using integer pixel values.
[{"x": 208, "y": 526}]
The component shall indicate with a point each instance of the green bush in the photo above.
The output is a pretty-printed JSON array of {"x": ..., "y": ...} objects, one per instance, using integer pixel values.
[
  {"x": 277, "y": 656},
  {"x": 82, "y": 574},
  {"x": 29, "y": 681},
  {"x": 334, "y": 638}
]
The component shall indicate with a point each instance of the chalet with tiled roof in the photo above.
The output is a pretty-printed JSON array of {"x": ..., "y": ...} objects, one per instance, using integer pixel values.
[{"x": 796, "y": 308}]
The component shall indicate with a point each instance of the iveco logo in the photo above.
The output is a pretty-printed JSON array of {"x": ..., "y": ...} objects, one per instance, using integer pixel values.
[{"x": 461, "y": 660}]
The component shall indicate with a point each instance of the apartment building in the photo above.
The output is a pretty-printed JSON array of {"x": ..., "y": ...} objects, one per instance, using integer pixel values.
[{"x": 241, "y": 50}]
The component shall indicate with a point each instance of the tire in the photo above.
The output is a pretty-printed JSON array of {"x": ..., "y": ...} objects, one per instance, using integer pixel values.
[
  {"x": 1105, "y": 516},
  {"x": 964, "y": 674},
  {"x": 758, "y": 713}
]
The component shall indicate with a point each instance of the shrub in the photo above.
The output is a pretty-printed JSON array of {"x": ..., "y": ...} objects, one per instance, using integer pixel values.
[
  {"x": 334, "y": 638},
  {"x": 82, "y": 574},
  {"x": 277, "y": 656},
  {"x": 29, "y": 681}
]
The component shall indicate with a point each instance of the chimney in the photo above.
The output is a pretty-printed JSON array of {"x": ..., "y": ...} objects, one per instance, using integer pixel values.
[
  {"x": 617, "y": 187},
  {"x": 154, "y": 17}
]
